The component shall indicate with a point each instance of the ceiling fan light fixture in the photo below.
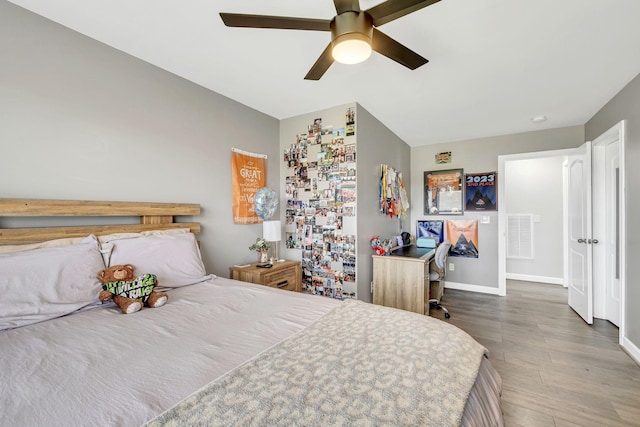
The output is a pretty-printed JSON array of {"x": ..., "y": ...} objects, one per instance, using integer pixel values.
[
  {"x": 351, "y": 48},
  {"x": 353, "y": 32}
]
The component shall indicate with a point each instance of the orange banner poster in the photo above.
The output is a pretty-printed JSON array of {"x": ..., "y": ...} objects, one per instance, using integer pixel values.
[
  {"x": 248, "y": 175},
  {"x": 463, "y": 235}
]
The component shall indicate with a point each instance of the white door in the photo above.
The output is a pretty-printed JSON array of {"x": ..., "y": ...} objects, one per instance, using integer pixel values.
[
  {"x": 612, "y": 233},
  {"x": 580, "y": 256}
]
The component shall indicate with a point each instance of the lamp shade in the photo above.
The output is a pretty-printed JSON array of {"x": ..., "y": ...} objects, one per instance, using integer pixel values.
[{"x": 272, "y": 231}]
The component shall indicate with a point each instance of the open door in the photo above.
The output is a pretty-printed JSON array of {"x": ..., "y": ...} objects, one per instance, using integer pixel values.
[
  {"x": 613, "y": 285},
  {"x": 580, "y": 254},
  {"x": 607, "y": 171}
]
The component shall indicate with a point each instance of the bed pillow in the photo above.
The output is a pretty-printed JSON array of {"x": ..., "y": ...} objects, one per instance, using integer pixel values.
[
  {"x": 49, "y": 282},
  {"x": 106, "y": 246},
  {"x": 174, "y": 258},
  {"x": 117, "y": 236}
]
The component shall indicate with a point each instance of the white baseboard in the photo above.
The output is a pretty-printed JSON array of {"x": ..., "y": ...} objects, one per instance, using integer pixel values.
[
  {"x": 540, "y": 279},
  {"x": 471, "y": 288},
  {"x": 631, "y": 349}
]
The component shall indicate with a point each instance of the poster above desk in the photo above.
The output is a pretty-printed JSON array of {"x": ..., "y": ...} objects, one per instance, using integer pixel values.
[{"x": 443, "y": 192}]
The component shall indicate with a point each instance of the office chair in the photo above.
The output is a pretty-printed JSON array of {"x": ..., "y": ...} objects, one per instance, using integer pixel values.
[{"x": 437, "y": 271}]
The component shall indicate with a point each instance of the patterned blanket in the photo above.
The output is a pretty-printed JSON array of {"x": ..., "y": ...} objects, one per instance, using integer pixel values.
[{"x": 358, "y": 365}]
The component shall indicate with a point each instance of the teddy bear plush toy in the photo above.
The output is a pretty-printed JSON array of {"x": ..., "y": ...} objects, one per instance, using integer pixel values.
[{"x": 129, "y": 293}]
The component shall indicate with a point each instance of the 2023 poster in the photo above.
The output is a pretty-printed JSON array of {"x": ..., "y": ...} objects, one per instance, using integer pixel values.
[
  {"x": 431, "y": 229},
  {"x": 481, "y": 193}
]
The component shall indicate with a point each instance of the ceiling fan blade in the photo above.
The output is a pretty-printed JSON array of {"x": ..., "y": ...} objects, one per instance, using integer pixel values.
[
  {"x": 280, "y": 22},
  {"x": 390, "y": 48},
  {"x": 394, "y": 9},
  {"x": 321, "y": 66},
  {"x": 347, "y": 6}
]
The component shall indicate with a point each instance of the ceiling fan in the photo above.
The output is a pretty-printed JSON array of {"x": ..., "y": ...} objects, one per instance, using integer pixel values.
[{"x": 353, "y": 32}]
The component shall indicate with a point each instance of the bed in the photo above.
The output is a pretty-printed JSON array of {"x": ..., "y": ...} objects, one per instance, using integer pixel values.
[{"x": 220, "y": 352}]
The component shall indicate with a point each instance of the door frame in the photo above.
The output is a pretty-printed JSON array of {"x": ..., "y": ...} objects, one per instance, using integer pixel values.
[
  {"x": 502, "y": 212},
  {"x": 618, "y": 129}
]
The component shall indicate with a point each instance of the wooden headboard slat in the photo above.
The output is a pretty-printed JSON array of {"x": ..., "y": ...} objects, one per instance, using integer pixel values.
[
  {"x": 151, "y": 216},
  {"x": 21, "y": 236},
  {"x": 42, "y": 207}
]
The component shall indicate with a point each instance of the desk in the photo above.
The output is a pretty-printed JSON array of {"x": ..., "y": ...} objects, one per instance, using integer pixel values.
[{"x": 401, "y": 280}]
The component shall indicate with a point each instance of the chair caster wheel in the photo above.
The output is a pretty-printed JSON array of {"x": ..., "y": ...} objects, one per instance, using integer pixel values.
[{"x": 447, "y": 315}]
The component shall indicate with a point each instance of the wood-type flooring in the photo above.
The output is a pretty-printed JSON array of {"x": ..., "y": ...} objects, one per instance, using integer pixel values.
[{"x": 556, "y": 369}]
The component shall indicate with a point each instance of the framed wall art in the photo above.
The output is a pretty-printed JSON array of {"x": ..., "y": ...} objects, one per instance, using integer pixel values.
[
  {"x": 463, "y": 235},
  {"x": 431, "y": 229},
  {"x": 443, "y": 192},
  {"x": 481, "y": 192}
]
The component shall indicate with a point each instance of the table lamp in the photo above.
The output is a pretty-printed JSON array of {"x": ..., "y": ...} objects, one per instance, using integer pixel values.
[{"x": 272, "y": 232}]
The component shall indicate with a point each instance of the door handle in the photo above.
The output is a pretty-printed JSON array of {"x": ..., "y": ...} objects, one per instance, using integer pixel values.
[
  {"x": 595, "y": 241},
  {"x": 582, "y": 241}
]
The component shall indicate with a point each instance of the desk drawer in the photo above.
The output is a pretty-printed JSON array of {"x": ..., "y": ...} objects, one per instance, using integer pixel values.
[{"x": 283, "y": 279}]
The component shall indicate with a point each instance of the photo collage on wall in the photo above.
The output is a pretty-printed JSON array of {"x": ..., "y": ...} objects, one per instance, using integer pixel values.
[{"x": 320, "y": 191}]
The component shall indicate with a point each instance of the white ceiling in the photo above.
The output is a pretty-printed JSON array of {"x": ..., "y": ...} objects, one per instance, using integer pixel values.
[{"x": 494, "y": 64}]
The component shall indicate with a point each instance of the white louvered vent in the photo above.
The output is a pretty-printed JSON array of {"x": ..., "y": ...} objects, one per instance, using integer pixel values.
[{"x": 520, "y": 236}]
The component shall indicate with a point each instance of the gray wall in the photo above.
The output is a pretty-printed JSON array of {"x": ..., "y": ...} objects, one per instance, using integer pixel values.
[
  {"x": 534, "y": 186},
  {"x": 376, "y": 144},
  {"x": 80, "y": 120},
  {"x": 481, "y": 155},
  {"x": 626, "y": 106}
]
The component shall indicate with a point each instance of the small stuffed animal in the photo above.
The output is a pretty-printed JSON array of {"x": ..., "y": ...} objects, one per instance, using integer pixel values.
[
  {"x": 129, "y": 294},
  {"x": 376, "y": 246},
  {"x": 386, "y": 245}
]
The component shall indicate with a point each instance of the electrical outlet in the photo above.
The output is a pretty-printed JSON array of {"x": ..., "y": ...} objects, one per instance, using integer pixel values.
[{"x": 452, "y": 266}]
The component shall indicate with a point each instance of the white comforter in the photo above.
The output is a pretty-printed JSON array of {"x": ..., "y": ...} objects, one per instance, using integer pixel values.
[{"x": 82, "y": 369}]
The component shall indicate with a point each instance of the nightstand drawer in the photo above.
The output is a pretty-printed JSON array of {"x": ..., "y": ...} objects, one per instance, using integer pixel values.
[{"x": 283, "y": 279}]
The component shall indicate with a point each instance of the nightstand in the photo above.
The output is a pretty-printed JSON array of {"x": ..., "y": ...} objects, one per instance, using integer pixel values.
[{"x": 283, "y": 275}]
